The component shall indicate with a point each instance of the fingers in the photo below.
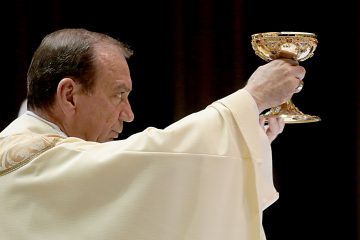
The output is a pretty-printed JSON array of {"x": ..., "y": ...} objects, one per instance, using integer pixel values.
[
  {"x": 288, "y": 60},
  {"x": 300, "y": 86},
  {"x": 274, "y": 127},
  {"x": 262, "y": 122},
  {"x": 297, "y": 72}
]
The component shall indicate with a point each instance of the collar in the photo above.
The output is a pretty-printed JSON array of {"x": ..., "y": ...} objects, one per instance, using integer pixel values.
[{"x": 54, "y": 126}]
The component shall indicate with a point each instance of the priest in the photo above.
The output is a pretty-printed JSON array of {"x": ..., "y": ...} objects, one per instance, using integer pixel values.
[{"x": 207, "y": 176}]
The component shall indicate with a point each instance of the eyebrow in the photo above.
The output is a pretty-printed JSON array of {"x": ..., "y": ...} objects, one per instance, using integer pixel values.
[{"x": 121, "y": 86}]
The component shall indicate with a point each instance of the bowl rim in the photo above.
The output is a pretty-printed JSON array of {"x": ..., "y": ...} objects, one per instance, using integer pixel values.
[{"x": 284, "y": 34}]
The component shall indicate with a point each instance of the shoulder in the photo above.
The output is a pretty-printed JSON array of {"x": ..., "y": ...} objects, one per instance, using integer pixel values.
[{"x": 18, "y": 149}]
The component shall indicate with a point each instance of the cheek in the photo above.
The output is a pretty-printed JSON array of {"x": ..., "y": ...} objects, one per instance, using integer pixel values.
[
  {"x": 110, "y": 119},
  {"x": 111, "y": 114},
  {"x": 101, "y": 114},
  {"x": 95, "y": 113}
]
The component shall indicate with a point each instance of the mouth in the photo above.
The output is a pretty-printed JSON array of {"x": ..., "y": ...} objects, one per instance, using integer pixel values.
[
  {"x": 115, "y": 134},
  {"x": 111, "y": 138}
]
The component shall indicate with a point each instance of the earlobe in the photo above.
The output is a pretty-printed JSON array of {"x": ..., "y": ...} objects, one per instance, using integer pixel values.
[{"x": 65, "y": 95}]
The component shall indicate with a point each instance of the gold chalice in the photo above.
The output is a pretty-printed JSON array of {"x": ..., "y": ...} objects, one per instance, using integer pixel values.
[{"x": 295, "y": 45}]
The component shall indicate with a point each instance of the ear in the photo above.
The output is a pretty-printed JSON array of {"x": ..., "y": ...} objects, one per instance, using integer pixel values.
[{"x": 65, "y": 95}]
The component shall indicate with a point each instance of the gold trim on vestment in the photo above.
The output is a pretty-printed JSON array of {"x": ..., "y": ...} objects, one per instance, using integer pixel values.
[{"x": 19, "y": 149}]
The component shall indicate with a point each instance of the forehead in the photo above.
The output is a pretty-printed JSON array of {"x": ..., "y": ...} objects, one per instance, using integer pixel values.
[{"x": 112, "y": 69}]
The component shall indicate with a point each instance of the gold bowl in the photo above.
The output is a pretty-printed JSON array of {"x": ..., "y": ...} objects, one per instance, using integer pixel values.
[{"x": 272, "y": 45}]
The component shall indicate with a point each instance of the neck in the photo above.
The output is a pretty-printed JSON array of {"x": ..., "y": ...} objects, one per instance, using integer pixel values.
[{"x": 50, "y": 116}]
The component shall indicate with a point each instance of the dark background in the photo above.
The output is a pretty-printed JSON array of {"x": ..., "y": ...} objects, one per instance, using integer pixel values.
[{"x": 189, "y": 53}]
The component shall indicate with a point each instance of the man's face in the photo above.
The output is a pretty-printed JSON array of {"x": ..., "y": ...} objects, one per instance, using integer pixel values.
[{"x": 100, "y": 115}]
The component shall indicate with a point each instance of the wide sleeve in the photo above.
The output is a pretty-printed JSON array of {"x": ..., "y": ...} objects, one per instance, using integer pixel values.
[
  {"x": 228, "y": 127},
  {"x": 247, "y": 119}
]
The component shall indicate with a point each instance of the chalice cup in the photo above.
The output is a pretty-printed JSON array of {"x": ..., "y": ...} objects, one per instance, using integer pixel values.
[{"x": 294, "y": 45}]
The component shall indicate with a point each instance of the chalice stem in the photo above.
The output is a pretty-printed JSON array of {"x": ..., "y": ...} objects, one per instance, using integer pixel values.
[
  {"x": 287, "y": 108},
  {"x": 290, "y": 113}
]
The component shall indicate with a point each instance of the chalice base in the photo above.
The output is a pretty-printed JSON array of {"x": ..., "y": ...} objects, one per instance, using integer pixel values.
[{"x": 290, "y": 114}]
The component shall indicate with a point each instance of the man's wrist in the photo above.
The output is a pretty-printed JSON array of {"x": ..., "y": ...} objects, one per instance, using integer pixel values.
[{"x": 261, "y": 107}]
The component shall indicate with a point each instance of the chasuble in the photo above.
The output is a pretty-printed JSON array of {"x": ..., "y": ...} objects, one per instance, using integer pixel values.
[{"x": 207, "y": 176}]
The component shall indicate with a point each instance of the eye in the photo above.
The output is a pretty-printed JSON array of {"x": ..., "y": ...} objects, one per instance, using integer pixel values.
[{"x": 122, "y": 95}]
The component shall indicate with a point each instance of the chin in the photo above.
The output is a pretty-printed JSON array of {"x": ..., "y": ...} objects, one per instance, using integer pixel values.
[{"x": 107, "y": 140}]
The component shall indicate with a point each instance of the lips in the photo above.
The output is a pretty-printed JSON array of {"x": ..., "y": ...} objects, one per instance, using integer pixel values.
[{"x": 115, "y": 134}]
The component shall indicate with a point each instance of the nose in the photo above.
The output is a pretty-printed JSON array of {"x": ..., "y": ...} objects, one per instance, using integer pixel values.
[{"x": 127, "y": 114}]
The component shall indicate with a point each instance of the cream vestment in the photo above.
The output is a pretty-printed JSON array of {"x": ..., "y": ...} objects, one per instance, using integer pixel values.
[{"x": 205, "y": 177}]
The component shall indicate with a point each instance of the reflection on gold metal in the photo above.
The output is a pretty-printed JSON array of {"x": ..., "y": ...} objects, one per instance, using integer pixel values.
[{"x": 295, "y": 45}]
